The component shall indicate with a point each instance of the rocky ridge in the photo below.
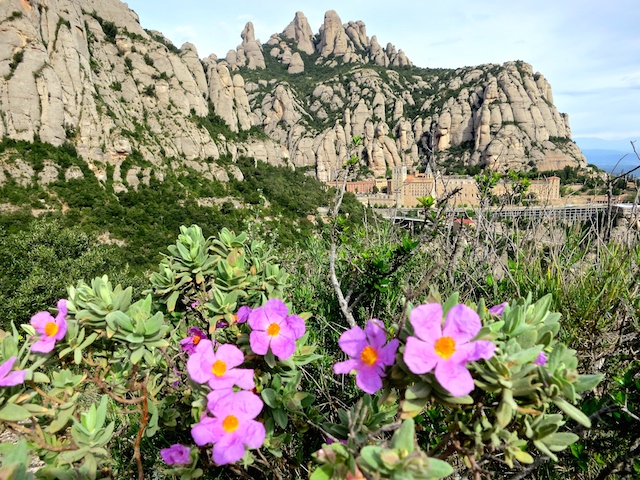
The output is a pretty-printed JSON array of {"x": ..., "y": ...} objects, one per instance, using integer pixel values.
[{"x": 85, "y": 71}]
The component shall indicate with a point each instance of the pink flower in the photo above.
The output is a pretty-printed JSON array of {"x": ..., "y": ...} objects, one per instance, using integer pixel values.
[
  {"x": 218, "y": 368},
  {"x": 497, "y": 310},
  {"x": 232, "y": 427},
  {"x": 50, "y": 329},
  {"x": 243, "y": 314},
  {"x": 542, "y": 359},
  {"x": 369, "y": 355},
  {"x": 273, "y": 327},
  {"x": 448, "y": 349},
  {"x": 193, "y": 305},
  {"x": 176, "y": 455},
  {"x": 10, "y": 379},
  {"x": 195, "y": 335}
]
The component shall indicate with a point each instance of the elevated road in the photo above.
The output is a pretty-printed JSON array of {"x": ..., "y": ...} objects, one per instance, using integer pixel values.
[{"x": 564, "y": 213}]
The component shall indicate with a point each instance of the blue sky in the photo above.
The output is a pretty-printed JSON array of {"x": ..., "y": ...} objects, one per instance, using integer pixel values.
[{"x": 588, "y": 50}]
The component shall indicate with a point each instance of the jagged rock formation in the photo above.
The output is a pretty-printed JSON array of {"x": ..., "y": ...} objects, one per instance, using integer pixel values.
[
  {"x": 248, "y": 53},
  {"x": 85, "y": 71},
  {"x": 300, "y": 32}
]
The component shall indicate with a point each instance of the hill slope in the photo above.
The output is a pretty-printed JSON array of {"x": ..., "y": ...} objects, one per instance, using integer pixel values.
[{"x": 136, "y": 107}]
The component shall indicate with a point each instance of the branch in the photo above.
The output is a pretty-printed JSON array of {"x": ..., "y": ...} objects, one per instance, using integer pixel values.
[
  {"x": 117, "y": 398},
  {"x": 344, "y": 306},
  {"x": 143, "y": 425},
  {"x": 41, "y": 443}
]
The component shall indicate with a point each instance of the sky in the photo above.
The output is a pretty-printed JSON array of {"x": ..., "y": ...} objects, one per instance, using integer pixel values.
[{"x": 588, "y": 50}]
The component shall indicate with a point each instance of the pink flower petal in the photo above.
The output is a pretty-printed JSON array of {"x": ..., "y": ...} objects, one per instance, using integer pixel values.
[
  {"x": 43, "y": 345},
  {"x": 258, "y": 320},
  {"x": 353, "y": 341},
  {"x": 62, "y": 308},
  {"x": 295, "y": 324},
  {"x": 9, "y": 378},
  {"x": 259, "y": 342},
  {"x": 274, "y": 311},
  {"x": 282, "y": 347},
  {"x": 420, "y": 356},
  {"x": 229, "y": 449},
  {"x": 473, "y": 351},
  {"x": 254, "y": 434},
  {"x": 427, "y": 321},
  {"x": 243, "y": 314},
  {"x": 346, "y": 366},
  {"x": 249, "y": 405},
  {"x": 176, "y": 455},
  {"x": 207, "y": 430},
  {"x": 39, "y": 321},
  {"x": 225, "y": 397},
  {"x": 462, "y": 324},
  {"x": 14, "y": 378},
  {"x": 368, "y": 380},
  {"x": 454, "y": 377},
  {"x": 62, "y": 328},
  {"x": 375, "y": 333},
  {"x": 387, "y": 354},
  {"x": 498, "y": 310},
  {"x": 242, "y": 377},
  {"x": 229, "y": 354},
  {"x": 6, "y": 366},
  {"x": 199, "y": 364}
]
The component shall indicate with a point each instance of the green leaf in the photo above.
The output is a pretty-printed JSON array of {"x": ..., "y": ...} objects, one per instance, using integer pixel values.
[
  {"x": 89, "y": 467},
  {"x": 543, "y": 449},
  {"x": 171, "y": 301},
  {"x": 270, "y": 397},
  {"x": 560, "y": 440},
  {"x": 37, "y": 409},
  {"x": 523, "y": 457},
  {"x": 572, "y": 411},
  {"x": 39, "y": 377},
  {"x": 403, "y": 438},
  {"x": 136, "y": 355},
  {"x": 14, "y": 413},
  {"x": 370, "y": 456},
  {"x": 439, "y": 468},
  {"x": 526, "y": 356},
  {"x": 61, "y": 420},
  {"x": 325, "y": 472},
  {"x": 270, "y": 359},
  {"x": 280, "y": 416},
  {"x": 18, "y": 452},
  {"x": 504, "y": 413},
  {"x": 587, "y": 382}
]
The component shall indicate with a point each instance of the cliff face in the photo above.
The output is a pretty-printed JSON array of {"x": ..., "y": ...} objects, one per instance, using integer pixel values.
[{"x": 85, "y": 71}]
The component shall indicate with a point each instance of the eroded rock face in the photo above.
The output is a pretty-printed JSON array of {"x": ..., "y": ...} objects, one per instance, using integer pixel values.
[
  {"x": 112, "y": 88},
  {"x": 300, "y": 32},
  {"x": 95, "y": 79}
]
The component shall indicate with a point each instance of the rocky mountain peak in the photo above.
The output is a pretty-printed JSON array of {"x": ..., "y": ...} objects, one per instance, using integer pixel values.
[
  {"x": 300, "y": 32},
  {"x": 333, "y": 37},
  {"x": 249, "y": 52},
  {"x": 119, "y": 92}
]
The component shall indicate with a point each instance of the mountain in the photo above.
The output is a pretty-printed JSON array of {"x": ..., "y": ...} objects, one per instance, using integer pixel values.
[
  {"x": 614, "y": 156},
  {"x": 135, "y": 106}
]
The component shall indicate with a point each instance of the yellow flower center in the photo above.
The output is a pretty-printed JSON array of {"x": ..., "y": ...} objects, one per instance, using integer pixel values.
[
  {"x": 234, "y": 319},
  {"x": 230, "y": 423},
  {"x": 273, "y": 330},
  {"x": 50, "y": 329},
  {"x": 219, "y": 368},
  {"x": 369, "y": 355},
  {"x": 196, "y": 339},
  {"x": 445, "y": 347}
]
